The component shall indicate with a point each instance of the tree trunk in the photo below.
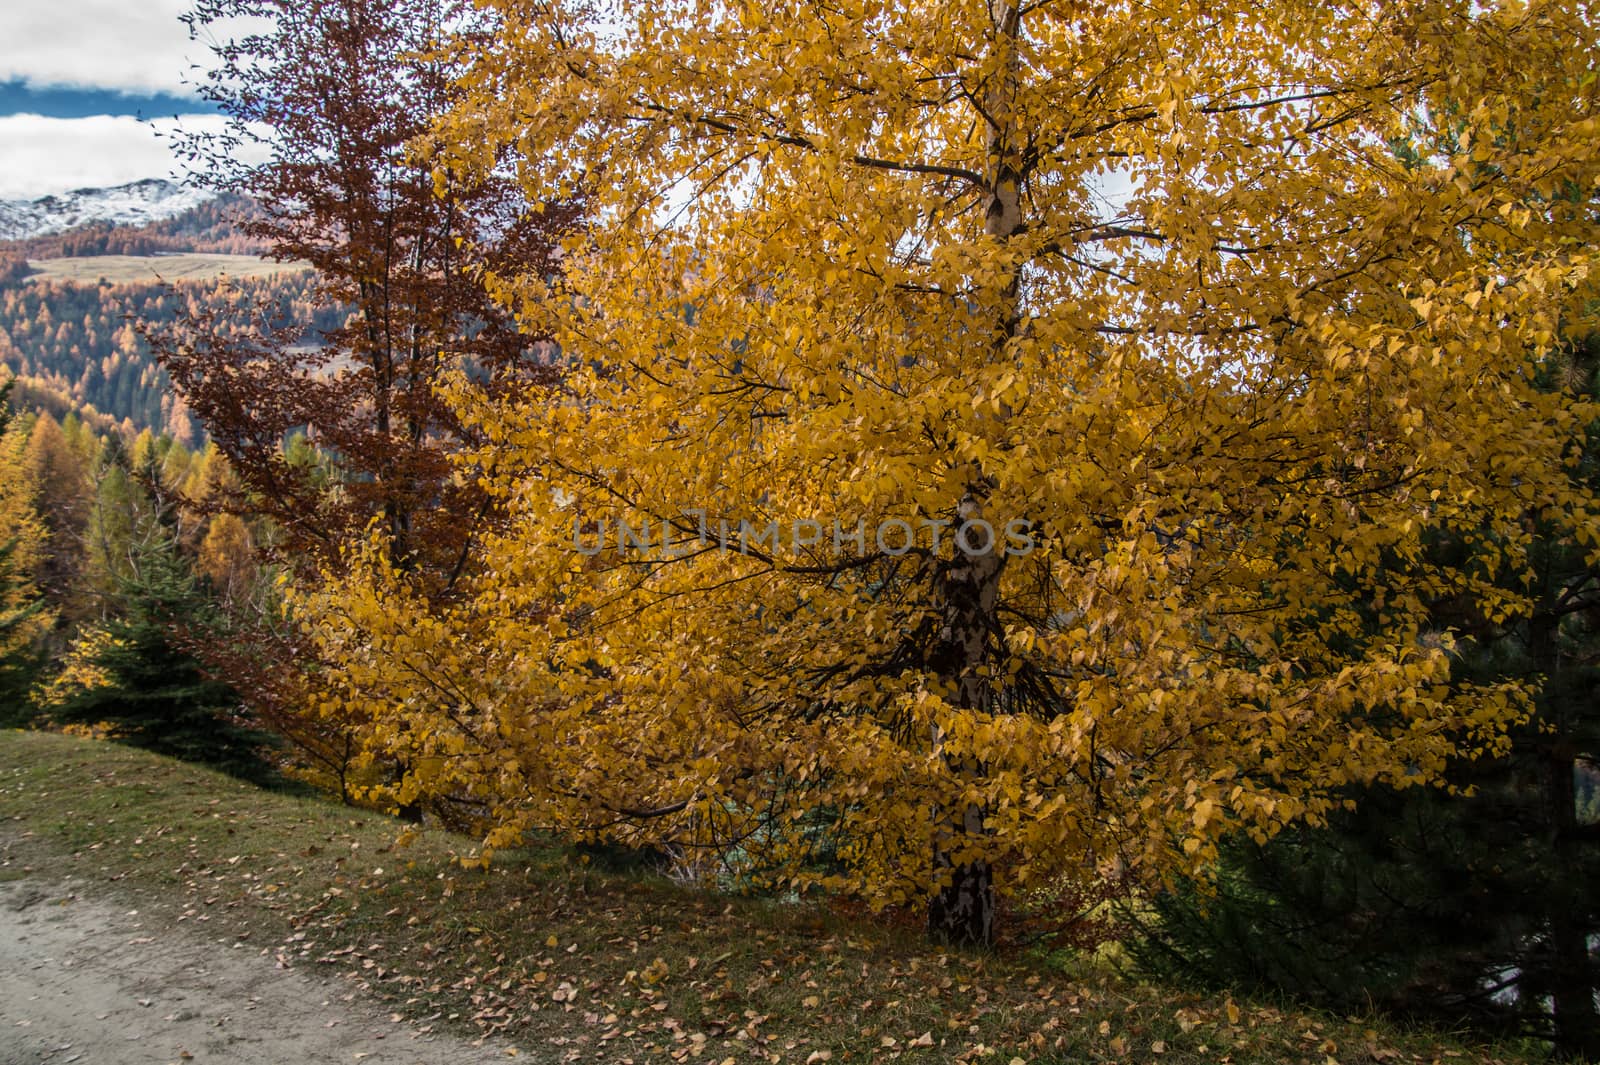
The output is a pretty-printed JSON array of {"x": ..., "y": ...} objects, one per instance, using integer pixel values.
[
  {"x": 961, "y": 912},
  {"x": 967, "y": 588},
  {"x": 1577, "y": 1025},
  {"x": 1571, "y": 973}
]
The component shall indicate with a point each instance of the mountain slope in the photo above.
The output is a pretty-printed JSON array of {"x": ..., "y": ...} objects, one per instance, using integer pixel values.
[{"x": 138, "y": 203}]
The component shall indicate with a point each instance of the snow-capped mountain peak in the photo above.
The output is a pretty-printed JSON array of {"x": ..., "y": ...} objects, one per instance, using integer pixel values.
[{"x": 136, "y": 204}]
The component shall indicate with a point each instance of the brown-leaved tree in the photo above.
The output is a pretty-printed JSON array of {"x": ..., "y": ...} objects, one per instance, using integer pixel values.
[{"x": 335, "y": 94}]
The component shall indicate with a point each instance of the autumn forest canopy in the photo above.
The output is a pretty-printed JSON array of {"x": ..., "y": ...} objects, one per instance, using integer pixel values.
[{"x": 968, "y": 458}]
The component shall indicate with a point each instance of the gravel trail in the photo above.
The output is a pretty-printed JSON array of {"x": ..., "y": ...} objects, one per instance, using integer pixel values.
[{"x": 83, "y": 980}]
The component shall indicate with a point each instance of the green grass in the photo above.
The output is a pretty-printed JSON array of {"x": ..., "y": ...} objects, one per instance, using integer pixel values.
[
  {"x": 90, "y": 269},
  {"x": 569, "y": 961}
]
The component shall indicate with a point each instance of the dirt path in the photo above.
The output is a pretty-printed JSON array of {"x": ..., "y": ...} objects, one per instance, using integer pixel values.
[{"x": 82, "y": 980}]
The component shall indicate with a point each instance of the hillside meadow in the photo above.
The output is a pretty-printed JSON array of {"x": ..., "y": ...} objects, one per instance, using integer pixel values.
[{"x": 198, "y": 266}]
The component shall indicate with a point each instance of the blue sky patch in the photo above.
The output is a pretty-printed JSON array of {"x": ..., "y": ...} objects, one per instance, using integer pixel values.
[{"x": 18, "y": 97}]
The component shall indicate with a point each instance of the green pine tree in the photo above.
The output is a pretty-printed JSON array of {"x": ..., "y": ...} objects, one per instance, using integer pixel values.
[
  {"x": 1474, "y": 907},
  {"x": 149, "y": 690}
]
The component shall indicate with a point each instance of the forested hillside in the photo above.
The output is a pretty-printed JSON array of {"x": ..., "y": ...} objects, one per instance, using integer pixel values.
[
  {"x": 79, "y": 344},
  {"x": 110, "y": 542}
]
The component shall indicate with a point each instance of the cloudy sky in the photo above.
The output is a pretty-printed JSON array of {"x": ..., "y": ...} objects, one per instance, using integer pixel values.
[{"x": 87, "y": 88}]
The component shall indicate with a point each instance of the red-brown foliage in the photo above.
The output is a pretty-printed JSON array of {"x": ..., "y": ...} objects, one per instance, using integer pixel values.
[{"x": 340, "y": 94}]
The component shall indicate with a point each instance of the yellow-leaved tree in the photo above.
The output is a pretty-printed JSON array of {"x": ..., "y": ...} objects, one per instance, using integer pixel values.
[
  {"x": 1001, "y": 442},
  {"x": 23, "y": 619}
]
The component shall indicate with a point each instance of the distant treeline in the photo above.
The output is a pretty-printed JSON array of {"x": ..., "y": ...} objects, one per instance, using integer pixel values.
[{"x": 75, "y": 346}]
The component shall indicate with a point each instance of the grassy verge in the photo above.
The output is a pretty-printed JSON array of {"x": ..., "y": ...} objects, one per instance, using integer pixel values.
[{"x": 570, "y": 962}]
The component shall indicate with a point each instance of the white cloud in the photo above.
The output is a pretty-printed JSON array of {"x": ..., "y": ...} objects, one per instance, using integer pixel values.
[
  {"x": 40, "y": 156},
  {"x": 128, "y": 45}
]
